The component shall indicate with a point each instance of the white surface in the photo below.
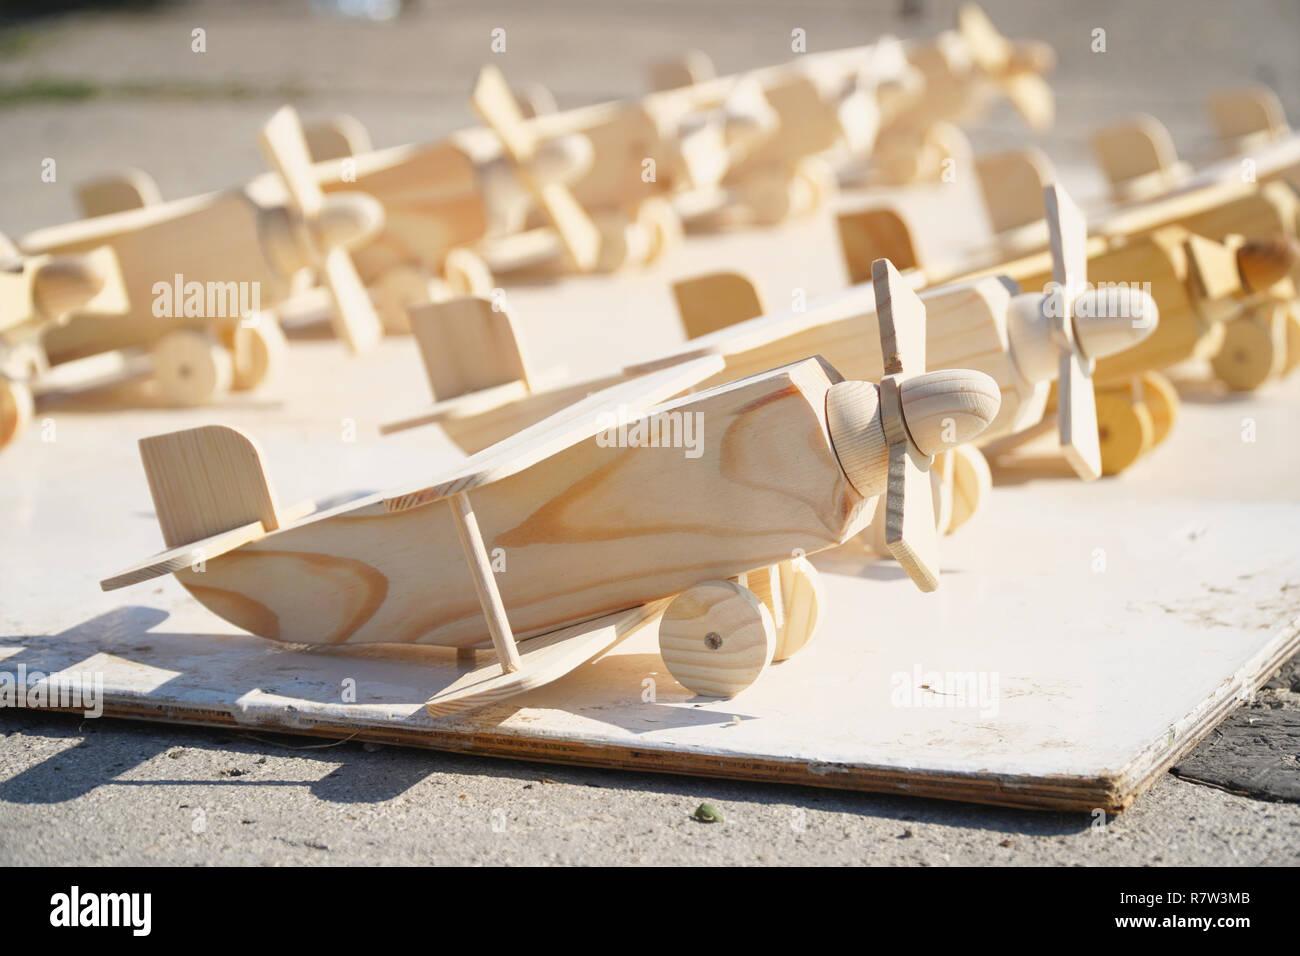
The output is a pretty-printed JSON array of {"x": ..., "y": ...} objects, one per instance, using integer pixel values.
[{"x": 1103, "y": 676}]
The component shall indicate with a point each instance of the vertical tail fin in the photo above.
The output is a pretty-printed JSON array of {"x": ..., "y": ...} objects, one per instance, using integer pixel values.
[{"x": 205, "y": 481}]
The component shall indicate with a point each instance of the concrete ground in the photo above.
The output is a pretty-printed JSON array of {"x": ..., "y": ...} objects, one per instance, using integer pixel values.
[{"x": 99, "y": 91}]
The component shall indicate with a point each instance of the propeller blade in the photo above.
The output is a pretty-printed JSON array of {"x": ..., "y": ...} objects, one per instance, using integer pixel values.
[
  {"x": 901, "y": 319},
  {"x": 285, "y": 148},
  {"x": 1032, "y": 97},
  {"x": 1068, "y": 234},
  {"x": 747, "y": 117},
  {"x": 988, "y": 47},
  {"x": 355, "y": 319},
  {"x": 496, "y": 105},
  {"x": 858, "y": 113},
  {"x": 1076, "y": 417},
  {"x": 579, "y": 234},
  {"x": 910, "y": 533},
  {"x": 1076, "y": 411}
]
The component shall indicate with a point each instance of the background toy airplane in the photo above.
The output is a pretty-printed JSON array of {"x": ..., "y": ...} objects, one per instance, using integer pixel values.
[
  {"x": 889, "y": 112},
  {"x": 963, "y": 72},
  {"x": 195, "y": 268},
  {"x": 38, "y": 293},
  {"x": 1204, "y": 275},
  {"x": 790, "y": 462},
  {"x": 1138, "y": 157}
]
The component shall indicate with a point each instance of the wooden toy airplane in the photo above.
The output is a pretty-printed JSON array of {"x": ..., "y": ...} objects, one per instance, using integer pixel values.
[
  {"x": 38, "y": 293},
  {"x": 198, "y": 270},
  {"x": 963, "y": 72},
  {"x": 1192, "y": 249},
  {"x": 715, "y": 150},
  {"x": 1025, "y": 342},
  {"x": 789, "y": 462},
  {"x": 735, "y": 149},
  {"x": 888, "y": 112},
  {"x": 1139, "y": 161},
  {"x": 491, "y": 200},
  {"x": 1138, "y": 157}
]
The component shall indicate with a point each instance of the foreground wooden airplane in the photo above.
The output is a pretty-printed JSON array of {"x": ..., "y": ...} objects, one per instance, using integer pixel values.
[{"x": 601, "y": 532}]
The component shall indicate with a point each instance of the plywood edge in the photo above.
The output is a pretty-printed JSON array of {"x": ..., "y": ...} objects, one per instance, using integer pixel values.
[
  {"x": 1142, "y": 772},
  {"x": 1111, "y": 792},
  {"x": 1050, "y": 792}
]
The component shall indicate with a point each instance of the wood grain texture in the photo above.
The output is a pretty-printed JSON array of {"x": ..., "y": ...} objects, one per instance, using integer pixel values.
[
  {"x": 206, "y": 239},
  {"x": 716, "y": 638},
  {"x": 1012, "y": 185},
  {"x": 467, "y": 346},
  {"x": 966, "y": 327},
  {"x": 205, "y": 481},
  {"x": 573, "y": 424},
  {"x": 627, "y": 524}
]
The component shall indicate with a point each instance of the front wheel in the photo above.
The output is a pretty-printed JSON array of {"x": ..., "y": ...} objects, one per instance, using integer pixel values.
[{"x": 716, "y": 638}]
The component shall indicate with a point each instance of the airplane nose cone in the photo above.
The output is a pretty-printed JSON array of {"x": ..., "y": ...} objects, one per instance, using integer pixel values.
[
  {"x": 948, "y": 407},
  {"x": 348, "y": 220},
  {"x": 1265, "y": 261},
  {"x": 564, "y": 159},
  {"x": 1110, "y": 319},
  {"x": 64, "y": 284}
]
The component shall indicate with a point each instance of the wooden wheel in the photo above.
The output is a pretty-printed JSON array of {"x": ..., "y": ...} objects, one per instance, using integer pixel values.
[
  {"x": 258, "y": 351},
  {"x": 802, "y": 601},
  {"x": 191, "y": 367},
  {"x": 941, "y": 491},
  {"x": 622, "y": 241},
  {"x": 1292, "y": 360},
  {"x": 815, "y": 182},
  {"x": 16, "y": 409},
  {"x": 1247, "y": 355},
  {"x": 769, "y": 196},
  {"x": 716, "y": 638},
  {"x": 1124, "y": 430},
  {"x": 662, "y": 225},
  {"x": 1161, "y": 400},
  {"x": 971, "y": 481},
  {"x": 792, "y": 593},
  {"x": 467, "y": 273}
]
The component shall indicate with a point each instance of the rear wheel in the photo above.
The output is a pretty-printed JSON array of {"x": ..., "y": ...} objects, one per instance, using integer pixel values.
[
  {"x": 1292, "y": 339},
  {"x": 971, "y": 482},
  {"x": 662, "y": 224},
  {"x": 16, "y": 409},
  {"x": 1244, "y": 361},
  {"x": 259, "y": 350},
  {"x": 816, "y": 184},
  {"x": 1124, "y": 430},
  {"x": 1161, "y": 400},
  {"x": 191, "y": 367},
  {"x": 467, "y": 273}
]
